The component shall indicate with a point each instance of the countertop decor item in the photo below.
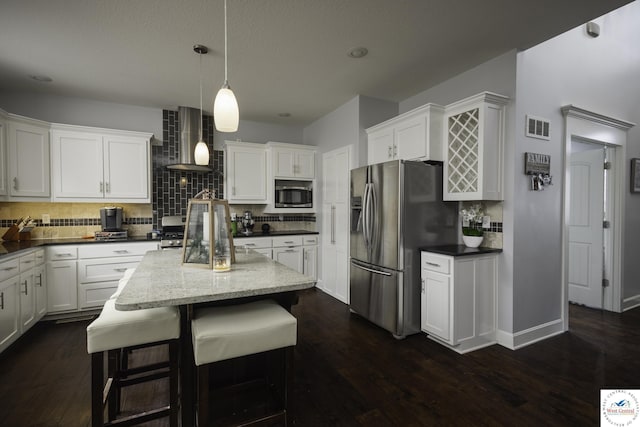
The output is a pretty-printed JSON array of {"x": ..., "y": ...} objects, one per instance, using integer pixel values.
[
  {"x": 208, "y": 242},
  {"x": 472, "y": 231}
]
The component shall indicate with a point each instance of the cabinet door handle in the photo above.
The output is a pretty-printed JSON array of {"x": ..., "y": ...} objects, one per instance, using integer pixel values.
[
  {"x": 289, "y": 250},
  {"x": 233, "y": 190},
  {"x": 1, "y": 300},
  {"x": 26, "y": 290},
  {"x": 333, "y": 224},
  {"x": 290, "y": 242},
  {"x": 61, "y": 266},
  {"x": 101, "y": 187},
  {"x": 423, "y": 286},
  {"x": 64, "y": 255},
  {"x": 120, "y": 270},
  {"x": 432, "y": 264},
  {"x": 28, "y": 261},
  {"x": 15, "y": 183},
  {"x": 389, "y": 152},
  {"x": 395, "y": 150},
  {"x": 249, "y": 244},
  {"x": 40, "y": 279},
  {"x": 9, "y": 268},
  {"x": 121, "y": 251},
  {"x": 108, "y": 187}
]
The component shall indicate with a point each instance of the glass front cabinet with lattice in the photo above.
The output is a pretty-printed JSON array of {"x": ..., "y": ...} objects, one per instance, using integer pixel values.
[{"x": 474, "y": 145}]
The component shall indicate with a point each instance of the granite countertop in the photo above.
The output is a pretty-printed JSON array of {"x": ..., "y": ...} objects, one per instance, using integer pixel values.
[
  {"x": 161, "y": 280},
  {"x": 10, "y": 248},
  {"x": 458, "y": 250},
  {"x": 276, "y": 233}
]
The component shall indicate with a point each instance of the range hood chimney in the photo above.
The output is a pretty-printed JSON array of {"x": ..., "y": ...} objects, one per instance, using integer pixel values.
[{"x": 189, "y": 131}]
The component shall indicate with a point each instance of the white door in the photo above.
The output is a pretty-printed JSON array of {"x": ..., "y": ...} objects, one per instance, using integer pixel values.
[
  {"x": 586, "y": 207},
  {"x": 336, "y": 166},
  {"x": 126, "y": 168},
  {"x": 77, "y": 165}
]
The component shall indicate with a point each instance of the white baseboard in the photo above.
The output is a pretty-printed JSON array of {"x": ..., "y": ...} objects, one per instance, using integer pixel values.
[
  {"x": 529, "y": 336},
  {"x": 631, "y": 302}
]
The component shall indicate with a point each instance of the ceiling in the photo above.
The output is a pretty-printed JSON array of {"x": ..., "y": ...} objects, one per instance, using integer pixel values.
[{"x": 285, "y": 56}]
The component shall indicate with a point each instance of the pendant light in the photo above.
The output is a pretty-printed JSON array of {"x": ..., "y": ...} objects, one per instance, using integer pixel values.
[
  {"x": 225, "y": 106},
  {"x": 201, "y": 152}
]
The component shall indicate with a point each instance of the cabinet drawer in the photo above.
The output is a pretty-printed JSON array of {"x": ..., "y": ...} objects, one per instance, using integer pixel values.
[
  {"x": 27, "y": 262},
  {"x": 100, "y": 270},
  {"x": 9, "y": 269},
  {"x": 287, "y": 241},
  {"x": 437, "y": 263},
  {"x": 106, "y": 250},
  {"x": 39, "y": 254},
  {"x": 252, "y": 243},
  {"x": 95, "y": 294},
  {"x": 311, "y": 239},
  {"x": 57, "y": 253}
]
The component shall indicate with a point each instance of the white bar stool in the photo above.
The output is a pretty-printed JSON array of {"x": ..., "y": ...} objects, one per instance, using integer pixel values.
[
  {"x": 116, "y": 332},
  {"x": 234, "y": 331}
]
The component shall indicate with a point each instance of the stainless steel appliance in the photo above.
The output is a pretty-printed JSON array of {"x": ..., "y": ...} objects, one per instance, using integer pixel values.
[
  {"x": 293, "y": 194},
  {"x": 396, "y": 207},
  {"x": 172, "y": 231},
  {"x": 111, "y": 218}
]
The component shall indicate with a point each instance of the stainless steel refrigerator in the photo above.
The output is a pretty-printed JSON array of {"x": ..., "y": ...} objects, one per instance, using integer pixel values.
[{"x": 396, "y": 207}]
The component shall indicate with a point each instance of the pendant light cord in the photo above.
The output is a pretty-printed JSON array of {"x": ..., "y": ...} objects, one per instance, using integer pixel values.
[
  {"x": 200, "y": 97},
  {"x": 225, "y": 42}
]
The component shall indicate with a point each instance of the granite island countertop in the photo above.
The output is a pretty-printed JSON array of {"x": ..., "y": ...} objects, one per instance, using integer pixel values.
[
  {"x": 458, "y": 250},
  {"x": 161, "y": 280}
]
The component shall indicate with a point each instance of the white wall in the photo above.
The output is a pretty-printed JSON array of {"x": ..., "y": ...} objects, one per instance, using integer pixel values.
[
  {"x": 261, "y": 133},
  {"x": 601, "y": 75}
]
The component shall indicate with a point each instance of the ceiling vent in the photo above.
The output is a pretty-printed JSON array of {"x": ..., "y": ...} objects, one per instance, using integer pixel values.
[{"x": 538, "y": 128}]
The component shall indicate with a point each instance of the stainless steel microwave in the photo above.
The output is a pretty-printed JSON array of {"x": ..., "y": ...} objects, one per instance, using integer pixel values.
[{"x": 293, "y": 194}]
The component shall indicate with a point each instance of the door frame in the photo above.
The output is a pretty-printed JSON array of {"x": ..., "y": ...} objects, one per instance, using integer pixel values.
[{"x": 585, "y": 125}]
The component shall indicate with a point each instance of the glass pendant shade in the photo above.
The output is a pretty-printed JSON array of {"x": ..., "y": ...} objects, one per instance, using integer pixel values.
[
  {"x": 208, "y": 242},
  {"x": 225, "y": 110},
  {"x": 201, "y": 153}
]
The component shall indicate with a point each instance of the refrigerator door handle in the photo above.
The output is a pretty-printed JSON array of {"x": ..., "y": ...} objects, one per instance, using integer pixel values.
[
  {"x": 373, "y": 222},
  {"x": 365, "y": 217},
  {"x": 370, "y": 270}
]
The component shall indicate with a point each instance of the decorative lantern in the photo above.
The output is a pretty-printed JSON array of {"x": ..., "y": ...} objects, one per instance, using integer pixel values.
[{"x": 208, "y": 242}]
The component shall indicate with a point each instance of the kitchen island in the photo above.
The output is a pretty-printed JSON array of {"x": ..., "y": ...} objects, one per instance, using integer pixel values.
[{"x": 161, "y": 280}]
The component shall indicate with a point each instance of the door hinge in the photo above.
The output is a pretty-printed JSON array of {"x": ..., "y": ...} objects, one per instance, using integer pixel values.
[
  {"x": 605, "y": 283},
  {"x": 606, "y": 224},
  {"x": 607, "y": 165}
]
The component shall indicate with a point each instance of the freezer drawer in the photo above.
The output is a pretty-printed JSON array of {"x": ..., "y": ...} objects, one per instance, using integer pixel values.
[{"x": 376, "y": 294}]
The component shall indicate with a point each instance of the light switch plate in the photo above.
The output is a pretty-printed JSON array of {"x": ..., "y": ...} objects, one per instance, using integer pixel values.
[
  {"x": 486, "y": 221},
  {"x": 46, "y": 219}
]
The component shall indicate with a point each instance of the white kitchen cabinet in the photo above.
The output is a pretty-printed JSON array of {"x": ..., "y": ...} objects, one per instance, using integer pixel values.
[
  {"x": 291, "y": 161},
  {"x": 414, "y": 135},
  {"x": 90, "y": 164},
  {"x": 62, "y": 282},
  {"x": 3, "y": 153},
  {"x": 458, "y": 302},
  {"x": 9, "y": 302},
  {"x": 474, "y": 148},
  {"x": 28, "y": 158},
  {"x": 287, "y": 250},
  {"x": 246, "y": 173},
  {"x": 27, "y": 292},
  {"x": 334, "y": 279},
  {"x": 259, "y": 244},
  {"x": 310, "y": 256},
  {"x": 101, "y": 266}
]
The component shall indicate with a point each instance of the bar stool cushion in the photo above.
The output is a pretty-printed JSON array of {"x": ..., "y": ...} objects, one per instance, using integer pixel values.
[
  {"x": 123, "y": 282},
  {"x": 115, "y": 329},
  {"x": 225, "y": 332}
]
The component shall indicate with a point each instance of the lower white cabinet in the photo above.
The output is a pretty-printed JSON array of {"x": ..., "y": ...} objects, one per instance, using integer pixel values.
[
  {"x": 458, "y": 307},
  {"x": 40, "y": 290},
  {"x": 9, "y": 311},
  {"x": 101, "y": 266},
  {"x": 299, "y": 252},
  {"x": 62, "y": 283}
]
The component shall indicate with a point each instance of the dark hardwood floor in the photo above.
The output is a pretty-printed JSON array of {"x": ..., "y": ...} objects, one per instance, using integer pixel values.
[{"x": 352, "y": 373}]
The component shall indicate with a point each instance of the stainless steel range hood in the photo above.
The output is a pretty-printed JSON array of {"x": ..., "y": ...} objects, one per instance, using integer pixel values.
[{"x": 189, "y": 119}]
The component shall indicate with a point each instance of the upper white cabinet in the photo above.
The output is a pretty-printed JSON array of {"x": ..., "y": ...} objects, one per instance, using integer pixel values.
[
  {"x": 292, "y": 161},
  {"x": 246, "y": 173},
  {"x": 474, "y": 136},
  {"x": 28, "y": 157},
  {"x": 414, "y": 135},
  {"x": 92, "y": 164}
]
